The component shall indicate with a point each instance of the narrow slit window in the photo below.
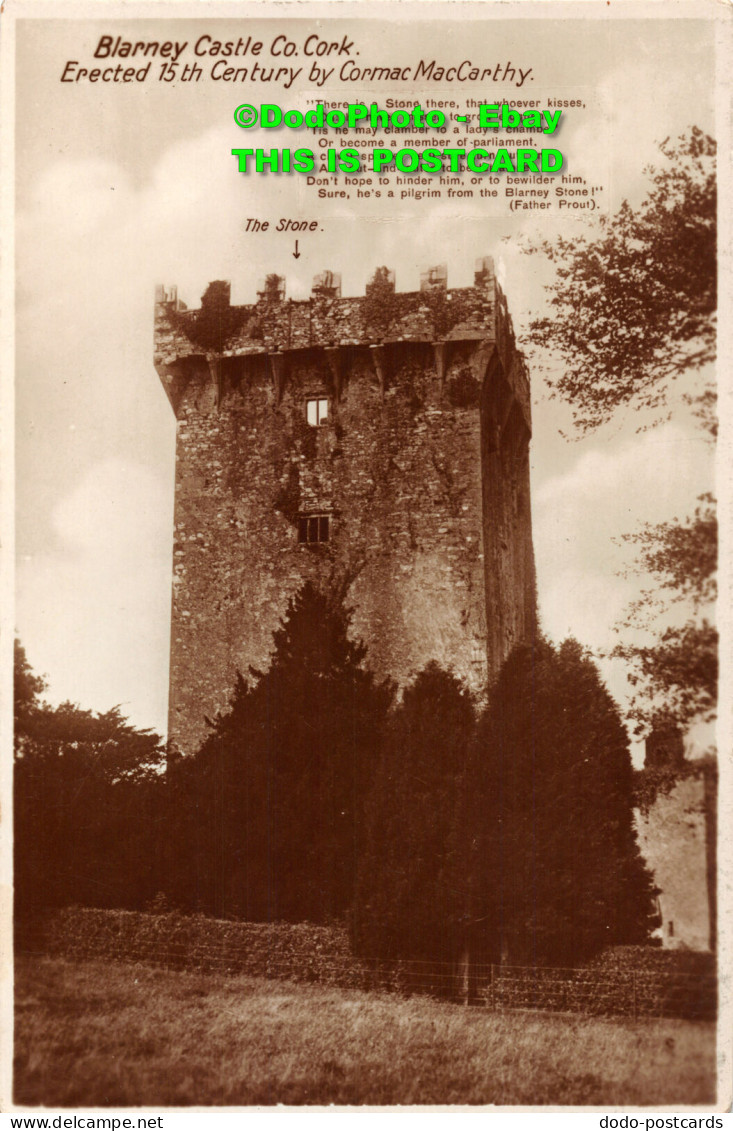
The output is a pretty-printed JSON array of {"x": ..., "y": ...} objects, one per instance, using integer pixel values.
[{"x": 316, "y": 411}]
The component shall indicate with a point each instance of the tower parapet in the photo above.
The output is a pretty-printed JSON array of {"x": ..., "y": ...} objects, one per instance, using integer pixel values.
[
  {"x": 378, "y": 443},
  {"x": 383, "y": 316}
]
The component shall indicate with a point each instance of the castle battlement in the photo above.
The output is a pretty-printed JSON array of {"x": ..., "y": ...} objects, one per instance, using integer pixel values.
[
  {"x": 381, "y": 321},
  {"x": 375, "y": 444}
]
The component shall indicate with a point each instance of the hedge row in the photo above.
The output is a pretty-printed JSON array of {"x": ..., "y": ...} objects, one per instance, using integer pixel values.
[
  {"x": 302, "y": 952},
  {"x": 195, "y": 941},
  {"x": 623, "y": 961},
  {"x": 627, "y": 981},
  {"x": 628, "y": 993}
]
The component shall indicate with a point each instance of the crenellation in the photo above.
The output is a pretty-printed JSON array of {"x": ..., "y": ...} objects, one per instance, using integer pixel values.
[
  {"x": 326, "y": 285},
  {"x": 274, "y": 323},
  {"x": 434, "y": 278}
]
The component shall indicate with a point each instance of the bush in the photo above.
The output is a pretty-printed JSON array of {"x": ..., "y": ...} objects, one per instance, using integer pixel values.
[
  {"x": 303, "y": 951},
  {"x": 631, "y": 981}
]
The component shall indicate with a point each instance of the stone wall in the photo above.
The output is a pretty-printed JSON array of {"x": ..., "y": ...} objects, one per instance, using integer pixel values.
[
  {"x": 673, "y": 841},
  {"x": 422, "y": 467}
]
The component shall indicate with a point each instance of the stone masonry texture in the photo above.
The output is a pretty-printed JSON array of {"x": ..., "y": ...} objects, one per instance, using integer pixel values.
[
  {"x": 422, "y": 467},
  {"x": 672, "y": 838}
]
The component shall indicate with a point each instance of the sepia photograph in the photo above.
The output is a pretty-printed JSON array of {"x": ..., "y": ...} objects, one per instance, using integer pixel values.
[{"x": 362, "y": 364}]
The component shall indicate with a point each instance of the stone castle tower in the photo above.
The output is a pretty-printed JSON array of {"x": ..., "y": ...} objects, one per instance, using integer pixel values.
[{"x": 378, "y": 445}]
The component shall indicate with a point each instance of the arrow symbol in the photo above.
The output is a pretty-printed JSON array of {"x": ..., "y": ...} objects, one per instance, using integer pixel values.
[{"x": 296, "y": 253}]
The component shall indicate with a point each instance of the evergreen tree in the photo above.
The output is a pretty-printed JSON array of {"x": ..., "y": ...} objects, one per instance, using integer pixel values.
[
  {"x": 413, "y": 893},
  {"x": 517, "y": 845},
  {"x": 563, "y": 875},
  {"x": 274, "y": 796},
  {"x": 215, "y": 322}
]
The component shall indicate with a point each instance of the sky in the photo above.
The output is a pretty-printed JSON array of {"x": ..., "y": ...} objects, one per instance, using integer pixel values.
[{"x": 122, "y": 187}]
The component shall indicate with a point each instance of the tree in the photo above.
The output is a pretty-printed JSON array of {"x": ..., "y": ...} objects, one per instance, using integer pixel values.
[
  {"x": 413, "y": 895},
  {"x": 273, "y": 799},
  {"x": 87, "y": 793},
  {"x": 676, "y": 675},
  {"x": 561, "y": 875},
  {"x": 633, "y": 309},
  {"x": 513, "y": 841}
]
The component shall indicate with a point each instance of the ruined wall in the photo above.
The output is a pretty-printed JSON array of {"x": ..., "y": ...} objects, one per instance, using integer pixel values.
[
  {"x": 422, "y": 467},
  {"x": 672, "y": 839}
]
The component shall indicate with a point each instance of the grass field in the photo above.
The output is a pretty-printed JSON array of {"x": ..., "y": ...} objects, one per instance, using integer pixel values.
[{"x": 97, "y": 1034}]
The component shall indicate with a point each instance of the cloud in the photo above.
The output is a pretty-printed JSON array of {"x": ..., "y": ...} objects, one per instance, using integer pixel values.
[{"x": 91, "y": 612}]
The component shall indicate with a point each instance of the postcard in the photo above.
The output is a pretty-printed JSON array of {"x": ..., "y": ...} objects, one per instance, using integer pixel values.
[{"x": 362, "y": 486}]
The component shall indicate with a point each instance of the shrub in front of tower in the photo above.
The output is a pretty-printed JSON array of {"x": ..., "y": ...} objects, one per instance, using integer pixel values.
[
  {"x": 272, "y": 802},
  {"x": 413, "y": 893},
  {"x": 562, "y": 875}
]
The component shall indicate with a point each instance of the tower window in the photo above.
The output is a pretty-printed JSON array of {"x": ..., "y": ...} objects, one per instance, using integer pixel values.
[
  {"x": 313, "y": 528},
  {"x": 316, "y": 411}
]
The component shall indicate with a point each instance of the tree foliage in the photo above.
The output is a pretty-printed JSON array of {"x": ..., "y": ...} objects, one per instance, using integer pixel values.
[
  {"x": 513, "y": 841},
  {"x": 563, "y": 873},
  {"x": 633, "y": 307},
  {"x": 682, "y": 556},
  {"x": 271, "y": 805},
  {"x": 88, "y": 794},
  {"x": 677, "y": 672},
  {"x": 27, "y": 690},
  {"x": 413, "y": 895},
  {"x": 381, "y": 304},
  {"x": 314, "y": 798}
]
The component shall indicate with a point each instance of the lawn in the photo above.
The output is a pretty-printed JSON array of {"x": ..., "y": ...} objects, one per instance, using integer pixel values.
[{"x": 97, "y": 1034}]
